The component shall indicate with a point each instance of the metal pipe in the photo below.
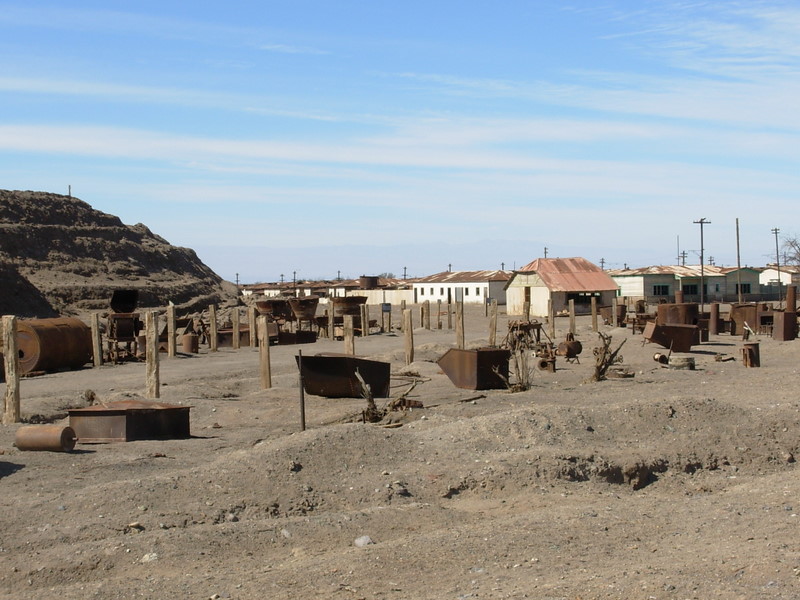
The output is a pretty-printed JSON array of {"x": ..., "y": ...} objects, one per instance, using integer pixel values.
[{"x": 53, "y": 438}]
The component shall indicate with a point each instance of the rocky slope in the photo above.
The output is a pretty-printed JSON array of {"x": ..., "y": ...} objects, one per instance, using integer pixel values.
[{"x": 75, "y": 256}]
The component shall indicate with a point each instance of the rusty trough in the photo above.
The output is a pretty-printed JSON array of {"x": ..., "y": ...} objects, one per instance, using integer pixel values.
[
  {"x": 334, "y": 375},
  {"x": 481, "y": 369},
  {"x": 53, "y": 344},
  {"x": 129, "y": 420}
]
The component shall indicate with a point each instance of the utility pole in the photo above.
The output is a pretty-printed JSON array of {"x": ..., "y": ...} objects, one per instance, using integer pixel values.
[
  {"x": 404, "y": 272},
  {"x": 449, "y": 267},
  {"x": 545, "y": 251},
  {"x": 683, "y": 258},
  {"x": 702, "y": 222},
  {"x": 603, "y": 264},
  {"x": 738, "y": 264},
  {"x": 776, "y": 231},
  {"x": 679, "y": 251}
]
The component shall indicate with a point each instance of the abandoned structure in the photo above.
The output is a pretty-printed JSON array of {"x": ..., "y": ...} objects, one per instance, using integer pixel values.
[
  {"x": 558, "y": 280},
  {"x": 471, "y": 287}
]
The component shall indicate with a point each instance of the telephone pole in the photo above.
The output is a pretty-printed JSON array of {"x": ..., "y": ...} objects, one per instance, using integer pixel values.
[
  {"x": 702, "y": 222},
  {"x": 776, "y": 231}
]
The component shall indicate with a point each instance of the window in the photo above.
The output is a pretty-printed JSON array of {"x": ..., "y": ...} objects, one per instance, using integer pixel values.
[
  {"x": 660, "y": 290},
  {"x": 441, "y": 291},
  {"x": 690, "y": 289},
  {"x": 431, "y": 291},
  {"x": 466, "y": 291},
  {"x": 745, "y": 288},
  {"x": 421, "y": 291},
  {"x": 477, "y": 291}
]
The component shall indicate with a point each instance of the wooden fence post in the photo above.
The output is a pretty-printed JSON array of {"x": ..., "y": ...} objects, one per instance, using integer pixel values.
[
  {"x": 493, "y": 324},
  {"x": 551, "y": 318},
  {"x": 172, "y": 349},
  {"x": 614, "y": 311},
  {"x": 11, "y": 410},
  {"x": 408, "y": 327},
  {"x": 460, "y": 325},
  {"x": 594, "y": 313},
  {"x": 151, "y": 354},
  {"x": 264, "y": 369},
  {"x": 439, "y": 314},
  {"x": 236, "y": 342},
  {"x": 212, "y": 317},
  {"x": 97, "y": 342},
  {"x": 572, "y": 316},
  {"x": 349, "y": 336},
  {"x": 251, "y": 318},
  {"x": 427, "y": 313}
]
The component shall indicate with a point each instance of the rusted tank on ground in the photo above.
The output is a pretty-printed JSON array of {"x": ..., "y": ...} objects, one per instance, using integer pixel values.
[
  {"x": 570, "y": 348},
  {"x": 304, "y": 308},
  {"x": 480, "y": 369},
  {"x": 53, "y": 344},
  {"x": 277, "y": 308},
  {"x": 128, "y": 420},
  {"x": 687, "y": 313},
  {"x": 676, "y": 336},
  {"x": 334, "y": 375},
  {"x": 348, "y": 305}
]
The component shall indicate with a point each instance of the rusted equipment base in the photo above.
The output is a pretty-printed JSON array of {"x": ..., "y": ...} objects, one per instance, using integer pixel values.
[
  {"x": 784, "y": 326},
  {"x": 130, "y": 420},
  {"x": 334, "y": 376},
  {"x": 481, "y": 369},
  {"x": 751, "y": 356},
  {"x": 53, "y": 438},
  {"x": 677, "y": 337}
]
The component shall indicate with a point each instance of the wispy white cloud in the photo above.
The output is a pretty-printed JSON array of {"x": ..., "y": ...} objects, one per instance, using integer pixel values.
[{"x": 287, "y": 49}]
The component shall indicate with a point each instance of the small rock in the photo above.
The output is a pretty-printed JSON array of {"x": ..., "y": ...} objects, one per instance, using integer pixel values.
[
  {"x": 149, "y": 557},
  {"x": 362, "y": 541},
  {"x": 286, "y": 533}
]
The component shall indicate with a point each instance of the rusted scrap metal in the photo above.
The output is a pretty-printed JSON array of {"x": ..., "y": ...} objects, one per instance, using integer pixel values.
[
  {"x": 334, "y": 376},
  {"x": 677, "y": 337},
  {"x": 605, "y": 357},
  {"x": 124, "y": 325},
  {"x": 480, "y": 369},
  {"x": 52, "y": 438},
  {"x": 784, "y": 326},
  {"x": 683, "y": 313},
  {"x": 304, "y": 310},
  {"x": 605, "y": 313},
  {"x": 348, "y": 305},
  {"x": 751, "y": 355},
  {"x": 129, "y": 420},
  {"x": 758, "y": 317},
  {"x": 52, "y": 344},
  {"x": 570, "y": 348}
]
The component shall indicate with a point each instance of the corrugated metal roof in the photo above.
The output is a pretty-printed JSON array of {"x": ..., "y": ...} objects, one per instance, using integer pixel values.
[
  {"x": 679, "y": 271},
  {"x": 570, "y": 275},
  {"x": 465, "y": 277}
]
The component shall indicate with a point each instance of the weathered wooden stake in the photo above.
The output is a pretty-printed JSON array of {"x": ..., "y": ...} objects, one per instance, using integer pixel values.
[
  {"x": 460, "y": 325},
  {"x": 439, "y": 314},
  {"x": 614, "y": 311},
  {"x": 212, "y": 317},
  {"x": 408, "y": 328},
  {"x": 331, "y": 322},
  {"x": 427, "y": 312},
  {"x": 97, "y": 343},
  {"x": 713, "y": 321},
  {"x": 172, "y": 349},
  {"x": 236, "y": 342},
  {"x": 349, "y": 336},
  {"x": 302, "y": 391},
  {"x": 265, "y": 369},
  {"x": 551, "y": 319},
  {"x": 11, "y": 410},
  {"x": 364, "y": 320},
  {"x": 493, "y": 324},
  {"x": 251, "y": 323},
  {"x": 151, "y": 354},
  {"x": 594, "y": 313},
  {"x": 526, "y": 310},
  {"x": 572, "y": 316},
  {"x": 449, "y": 317}
]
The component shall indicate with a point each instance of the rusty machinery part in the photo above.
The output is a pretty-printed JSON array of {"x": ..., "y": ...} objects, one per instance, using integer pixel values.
[
  {"x": 661, "y": 359},
  {"x": 53, "y": 344},
  {"x": 304, "y": 308},
  {"x": 348, "y": 305},
  {"x": 52, "y": 438},
  {"x": 481, "y": 369},
  {"x": 334, "y": 375},
  {"x": 570, "y": 348},
  {"x": 547, "y": 364},
  {"x": 129, "y": 420},
  {"x": 598, "y": 351}
]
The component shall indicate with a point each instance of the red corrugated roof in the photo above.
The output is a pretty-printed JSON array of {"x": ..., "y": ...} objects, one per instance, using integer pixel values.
[
  {"x": 570, "y": 275},
  {"x": 465, "y": 277}
]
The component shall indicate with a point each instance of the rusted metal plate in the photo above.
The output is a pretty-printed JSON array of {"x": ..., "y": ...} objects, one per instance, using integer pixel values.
[
  {"x": 480, "y": 369},
  {"x": 677, "y": 337},
  {"x": 348, "y": 305},
  {"x": 784, "y": 326},
  {"x": 129, "y": 420},
  {"x": 334, "y": 375},
  {"x": 686, "y": 313},
  {"x": 304, "y": 308}
]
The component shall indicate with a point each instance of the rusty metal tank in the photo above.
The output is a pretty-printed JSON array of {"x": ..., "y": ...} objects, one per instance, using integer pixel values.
[
  {"x": 53, "y": 438},
  {"x": 687, "y": 313},
  {"x": 305, "y": 307},
  {"x": 569, "y": 348},
  {"x": 53, "y": 344},
  {"x": 277, "y": 308},
  {"x": 348, "y": 305}
]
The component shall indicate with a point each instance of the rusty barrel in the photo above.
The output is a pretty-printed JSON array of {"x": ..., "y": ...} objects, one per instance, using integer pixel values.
[
  {"x": 54, "y": 438},
  {"x": 348, "y": 305},
  {"x": 53, "y": 344},
  {"x": 191, "y": 343}
]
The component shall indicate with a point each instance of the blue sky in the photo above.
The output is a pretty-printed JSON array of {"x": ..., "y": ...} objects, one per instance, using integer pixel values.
[{"x": 360, "y": 137}]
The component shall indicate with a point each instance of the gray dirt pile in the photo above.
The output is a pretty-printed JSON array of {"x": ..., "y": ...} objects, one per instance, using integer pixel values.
[{"x": 75, "y": 256}]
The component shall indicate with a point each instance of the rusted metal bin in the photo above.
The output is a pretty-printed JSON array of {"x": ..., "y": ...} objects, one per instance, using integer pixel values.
[
  {"x": 348, "y": 305},
  {"x": 53, "y": 344},
  {"x": 677, "y": 337},
  {"x": 277, "y": 308},
  {"x": 191, "y": 343},
  {"x": 784, "y": 326},
  {"x": 304, "y": 308},
  {"x": 481, "y": 369},
  {"x": 605, "y": 313},
  {"x": 334, "y": 375},
  {"x": 129, "y": 420},
  {"x": 686, "y": 313},
  {"x": 53, "y": 438}
]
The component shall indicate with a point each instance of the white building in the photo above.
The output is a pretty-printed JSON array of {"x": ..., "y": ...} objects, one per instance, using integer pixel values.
[{"x": 471, "y": 287}]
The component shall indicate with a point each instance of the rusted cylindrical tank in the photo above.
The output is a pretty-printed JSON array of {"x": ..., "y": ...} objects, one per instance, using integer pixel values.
[
  {"x": 305, "y": 307},
  {"x": 52, "y": 344},
  {"x": 687, "y": 313},
  {"x": 348, "y": 305},
  {"x": 570, "y": 348},
  {"x": 55, "y": 438},
  {"x": 791, "y": 298},
  {"x": 368, "y": 282},
  {"x": 751, "y": 355},
  {"x": 191, "y": 343}
]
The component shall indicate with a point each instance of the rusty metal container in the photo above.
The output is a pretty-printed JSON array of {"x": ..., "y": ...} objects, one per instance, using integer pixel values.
[
  {"x": 53, "y": 344},
  {"x": 605, "y": 313},
  {"x": 368, "y": 282},
  {"x": 191, "y": 343},
  {"x": 677, "y": 337},
  {"x": 277, "y": 308},
  {"x": 52, "y": 438},
  {"x": 741, "y": 314},
  {"x": 129, "y": 420},
  {"x": 348, "y": 305},
  {"x": 481, "y": 369},
  {"x": 686, "y": 313},
  {"x": 569, "y": 348},
  {"x": 304, "y": 308},
  {"x": 334, "y": 375},
  {"x": 751, "y": 355},
  {"x": 784, "y": 326}
]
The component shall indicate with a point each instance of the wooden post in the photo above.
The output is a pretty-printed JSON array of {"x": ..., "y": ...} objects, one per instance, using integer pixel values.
[
  {"x": 493, "y": 324},
  {"x": 713, "y": 321},
  {"x": 551, "y": 319},
  {"x": 265, "y": 369},
  {"x": 212, "y": 317},
  {"x": 302, "y": 391},
  {"x": 251, "y": 323},
  {"x": 236, "y": 342},
  {"x": 364, "y": 320},
  {"x": 349, "y": 336},
  {"x": 11, "y": 410},
  {"x": 614, "y": 311},
  {"x": 331, "y": 323},
  {"x": 427, "y": 312},
  {"x": 572, "y": 316},
  {"x": 151, "y": 354},
  {"x": 460, "y": 325},
  {"x": 97, "y": 343},
  {"x": 526, "y": 310},
  {"x": 408, "y": 327},
  {"x": 449, "y": 317},
  {"x": 172, "y": 350},
  {"x": 594, "y": 313},
  {"x": 439, "y": 314}
]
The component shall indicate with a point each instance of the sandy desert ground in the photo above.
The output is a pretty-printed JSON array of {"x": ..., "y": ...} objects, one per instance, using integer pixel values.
[{"x": 670, "y": 485}]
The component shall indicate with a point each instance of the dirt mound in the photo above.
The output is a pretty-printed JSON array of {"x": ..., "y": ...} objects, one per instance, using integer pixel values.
[{"x": 76, "y": 256}]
